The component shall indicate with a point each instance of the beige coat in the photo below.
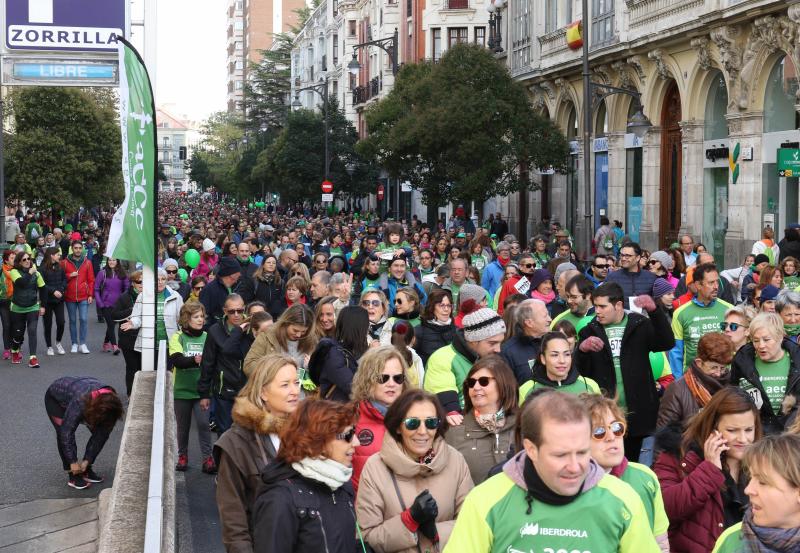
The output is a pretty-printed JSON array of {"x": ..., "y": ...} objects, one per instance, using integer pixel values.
[
  {"x": 378, "y": 507},
  {"x": 483, "y": 450},
  {"x": 264, "y": 344}
]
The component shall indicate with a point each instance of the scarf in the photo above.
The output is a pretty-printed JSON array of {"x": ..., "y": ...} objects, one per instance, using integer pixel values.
[
  {"x": 437, "y": 322},
  {"x": 492, "y": 422},
  {"x": 427, "y": 459},
  {"x": 329, "y": 472},
  {"x": 761, "y": 539},
  {"x": 547, "y": 298},
  {"x": 701, "y": 385},
  {"x": 503, "y": 262},
  {"x": 619, "y": 470},
  {"x": 379, "y": 407},
  {"x": 538, "y": 490},
  {"x": 791, "y": 330}
]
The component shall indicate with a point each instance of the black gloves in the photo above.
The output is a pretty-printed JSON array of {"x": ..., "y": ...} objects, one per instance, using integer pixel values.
[{"x": 424, "y": 509}]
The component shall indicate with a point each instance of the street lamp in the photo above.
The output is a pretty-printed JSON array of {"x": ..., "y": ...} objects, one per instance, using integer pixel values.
[
  {"x": 322, "y": 90},
  {"x": 494, "y": 7},
  {"x": 388, "y": 45}
]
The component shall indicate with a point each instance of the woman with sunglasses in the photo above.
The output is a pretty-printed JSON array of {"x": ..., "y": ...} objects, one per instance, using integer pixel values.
[
  {"x": 406, "y": 308},
  {"x": 377, "y": 305},
  {"x": 736, "y": 325},
  {"x": 608, "y": 451},
  {"x": 705, "y": 376},
  {"x": 554, "y": 368},
  {"x": 381, "y": 377},
  {"x": 701, "y": 473},
  {"x": 307, "y": 499},
  {"x": 486, "y": 436},
  {"x": 26, "y": 308},
  {"x": 197, "y": 284},
  {"x": 393, "y": 513}
]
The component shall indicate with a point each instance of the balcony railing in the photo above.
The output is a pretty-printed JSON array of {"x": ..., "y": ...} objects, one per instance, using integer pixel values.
[
  {"x": 645, "y": 11},
  {"x": 456, "y": 4},
  {"x": 371, "y": 90}
]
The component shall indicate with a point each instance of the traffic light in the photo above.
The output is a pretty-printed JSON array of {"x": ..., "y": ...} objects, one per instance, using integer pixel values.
[{"x": 182, "y": 152}]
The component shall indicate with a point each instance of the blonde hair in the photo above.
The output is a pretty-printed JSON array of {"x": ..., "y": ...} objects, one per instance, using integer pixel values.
[
  {"x": 381, "y": 296},
  {"x": 779, "y": 452},
  {"x": 263, "y": 374},
  {"x": 598, "y": 405},
  {"x": 298, "y": 283},
  {"x": 187, "y": 312},
  {"x": 370, "y": 367},
  {"x": 771, "y": 322}
]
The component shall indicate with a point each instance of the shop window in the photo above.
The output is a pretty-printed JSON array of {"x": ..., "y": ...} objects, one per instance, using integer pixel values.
[
  {"x": 716, "y": 126},
  {"x": 779, "y": 111}
]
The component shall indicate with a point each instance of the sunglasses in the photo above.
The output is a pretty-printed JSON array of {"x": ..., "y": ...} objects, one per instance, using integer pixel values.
[
  {"x": 601, "y": 267},
  {"x": 733, "y": 326},
  {"x": 398, "y": 302},
  {"x": 431, "y": 423},
  {"x": 483, "y": 381},
  {"x": 175, "y": 272},
  {"x": 137, "y": 281},
  {"x": 373, "y": 303},
  {"x": 652, "y": 262},
  {"x": 528, "y": 265},
  {"x": 347, "y": 436},
  {"x": 617, "y": 428},
  {"x": 398, "y": 378},
  {"x": 234, "y": 311},
  {"x": 24, "y": 259},
  {"x": 198, "y": 287}
]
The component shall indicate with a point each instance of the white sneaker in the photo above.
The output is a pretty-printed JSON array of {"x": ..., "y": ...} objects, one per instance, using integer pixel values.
[
  {"x": 74, "y": 348},
  {"x": 84, "y": 349},
  {"x": 50, "y": 352},
  {"x": 60, "y": 349}
]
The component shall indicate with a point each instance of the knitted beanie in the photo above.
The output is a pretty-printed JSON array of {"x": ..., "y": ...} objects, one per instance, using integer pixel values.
[
  {"x": 542, "y": 275},
  {"x": 471, "y": 292},
  {"x": 664, "y": 258},
  {"x": 661, "y": 287},
  {"x": 481, "y": 323},
  {"x": 208, "y": 245}
]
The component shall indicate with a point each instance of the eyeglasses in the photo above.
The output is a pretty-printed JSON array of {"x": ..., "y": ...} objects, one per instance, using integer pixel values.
[
  {"x": 373, "y": 303},
  {"x": 716, "y": 369},
  {"x": 175, "y": 272},
  {"x": 398, "y": 378},
  {"x": 445, "y": 305},
  {"x": 198, "y": 287},
  {"x": 347, "y": 436},
  {"x": 483, "y": 381},
  {"x": 687, "y": 243},
  {"x": 431, "y": 423},
  {"x": 234, "y": 311},
  {"x": 733, "y": 326},
  {"x": 617, "y": 428}
]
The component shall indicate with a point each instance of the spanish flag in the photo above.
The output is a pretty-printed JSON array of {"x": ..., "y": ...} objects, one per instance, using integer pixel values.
[{"x": 575, "y": 35}]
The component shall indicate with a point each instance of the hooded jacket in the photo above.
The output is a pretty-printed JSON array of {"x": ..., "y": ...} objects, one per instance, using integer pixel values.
[
  {"x": 743, "y": 368},
  {"x": 79, "y": 288},
  {"x": 641, "y": 336},
  {"x": 294, "y": 513},
  {"x": 446, "y": 370},
  {"x": 378, "y": 507},
  {"x": 574, "y": 383},
  {"x": 519, "y": 351},
  {"x": 481, "y": 448},
  {"x": 241, "y": 454},
  {"x": 431, "y": 336},
  {"x": 606, "y": 516}
]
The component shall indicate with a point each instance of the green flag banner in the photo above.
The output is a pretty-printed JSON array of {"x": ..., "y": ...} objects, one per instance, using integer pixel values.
[{"x": 132, "y": 234}]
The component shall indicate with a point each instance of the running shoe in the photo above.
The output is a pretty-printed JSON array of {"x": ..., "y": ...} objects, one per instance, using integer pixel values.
[
  {"x": 78, "y": 482},
  {"x": 209, "y": 466},
  {"x": 91, "y": 475},
  {"x": 183, "y": 463},
  {"x": 33, "y": 362},
  {"x": 16, "y": 357},
  {"x": 50, "y": 352},
  {"x": 60, "y": 349}
]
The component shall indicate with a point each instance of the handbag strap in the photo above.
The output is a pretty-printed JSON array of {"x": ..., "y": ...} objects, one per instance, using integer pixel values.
[{"x": 400, "y": 498}]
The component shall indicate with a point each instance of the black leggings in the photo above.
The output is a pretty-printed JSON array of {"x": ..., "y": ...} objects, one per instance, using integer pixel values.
[
  {"x": 19, "y": 321},
  {"x": 56, "y": 415},
  {"x": 51, "y": 309},
  {"x": 133, "y": 364},
  {"x": 111, "y": 325},
  {"x": 5, "y": 317}
]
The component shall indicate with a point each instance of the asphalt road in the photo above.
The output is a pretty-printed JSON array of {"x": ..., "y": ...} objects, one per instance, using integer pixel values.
[{"x": 29, "y": 464}]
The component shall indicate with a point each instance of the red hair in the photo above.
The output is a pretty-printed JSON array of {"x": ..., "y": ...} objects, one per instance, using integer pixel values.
[{"x": 311, "y": 426}]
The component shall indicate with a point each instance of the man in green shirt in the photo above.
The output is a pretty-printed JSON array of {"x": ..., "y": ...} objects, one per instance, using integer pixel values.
[
  {"x": 579, "y": 300},
  {"x": 552, "y": 496}
]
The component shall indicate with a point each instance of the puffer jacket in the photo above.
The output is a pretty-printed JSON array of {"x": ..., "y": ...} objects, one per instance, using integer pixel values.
[
  {"x": 744, "y": 368},
  {"x": 446, "y": 370},
  {"x": 481, "y": 448},
  {"x": 692, "y": 491},
  {"x": 241, "y": 454},
  {"x": 378, "y": 507},
  {"x": 370, "y": 431},
  {"x": 633, "y": 284},
  {"x": 294, "y": 513},
  {"x": 221, "y": 374},
  {"x": 79, "y": 288},
  {"x": 431, "y": 336}
]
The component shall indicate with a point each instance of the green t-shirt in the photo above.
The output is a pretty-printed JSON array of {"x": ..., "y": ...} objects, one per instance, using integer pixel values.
[
  {"x": 161, "y": 328},
  {"x": 774, "y": 377},
  {"x": 731, "y": 541},
  {"x": 791, "y": 282},
  {"x": 690, "y": 322},
  {"x": 184, "y": 381},
  {"x": 582, "y": 385},
  {"x": 567, "y": 316},
  {"x": 645, "y": 483},
  {"x": 614, "y": 333}
]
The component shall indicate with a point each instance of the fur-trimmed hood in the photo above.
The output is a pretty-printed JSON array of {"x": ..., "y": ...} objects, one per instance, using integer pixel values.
[{"x": 248, "y": 415}]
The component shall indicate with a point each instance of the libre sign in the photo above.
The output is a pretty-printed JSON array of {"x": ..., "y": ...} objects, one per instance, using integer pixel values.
[
  {"x": 788, "y": 162},
  {"x": 66, "y": 25}
]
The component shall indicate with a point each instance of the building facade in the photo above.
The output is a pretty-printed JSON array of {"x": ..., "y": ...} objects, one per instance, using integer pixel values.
[
  {"x": 718, "y": 81},
  {"x": 177, "y": 139}
]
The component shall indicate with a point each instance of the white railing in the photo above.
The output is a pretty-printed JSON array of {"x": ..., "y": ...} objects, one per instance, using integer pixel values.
[{"x": 155, "y": 491}]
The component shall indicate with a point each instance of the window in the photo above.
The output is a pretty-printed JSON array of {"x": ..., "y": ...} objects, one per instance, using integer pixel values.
[
  {"x": 238, "y": 25},
  {"x": 602, "y": 22},
  {"x": 436, "y": 43},
  {"x": 335, "y": 89},
  {"x": 520, "y": 39},
  {"x": 239, "y": 85},
  {"x": 456, "y": 35},
  {"x": 480, "y": 36},
  {"x": 550, "y": 15},
  {"x": 458, "y": 4},
  {"x": 335, "y": 50},
  {"x": 351, "y": 27},
  {"x": 409, "y": 8}
]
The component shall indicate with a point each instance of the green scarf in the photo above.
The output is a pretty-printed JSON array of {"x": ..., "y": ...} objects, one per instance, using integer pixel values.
[{"x": 791, "y": 330}]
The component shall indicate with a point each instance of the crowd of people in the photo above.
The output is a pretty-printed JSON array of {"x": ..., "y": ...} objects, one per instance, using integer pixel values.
[{"x": 367, "y": 385}]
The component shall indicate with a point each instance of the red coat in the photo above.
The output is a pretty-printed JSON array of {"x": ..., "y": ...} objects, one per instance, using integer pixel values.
[
  {"x": 81, "y": 287},
  {"x": 370, "y": 431},
  {"x": 691, "y": 489}
]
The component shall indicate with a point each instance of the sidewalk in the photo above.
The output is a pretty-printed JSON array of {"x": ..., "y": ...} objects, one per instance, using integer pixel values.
[{"x": 49, "y": 526}]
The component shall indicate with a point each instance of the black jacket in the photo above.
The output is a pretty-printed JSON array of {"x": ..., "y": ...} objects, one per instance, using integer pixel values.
[
  {"x": 744, "y": 368},
  {"x": 295, "y": 514},
  {"x": 332, "y": 368},
  {"x": 633, "y": 284},
  {"x": 520, "y": 352},
  {"x": 642, "y": 335},
  {"x": 431, "y": 337},
  {"x": 221, "y": 374},
  {"x": 213, "y": 298},
  {"x": 265, "y": 290},
  {"x": 55, "y": 280},
  {"x": 245, "y": 281},
  {"x": 120, "y": 313}
]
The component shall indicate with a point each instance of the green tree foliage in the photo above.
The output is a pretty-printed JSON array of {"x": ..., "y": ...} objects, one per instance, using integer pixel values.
[
  {"x": 268, "y": 86},
  {"x": 65, "y": 148},
  {"x": 293, "y": 164},
  {"x": 460, "y": 129}
]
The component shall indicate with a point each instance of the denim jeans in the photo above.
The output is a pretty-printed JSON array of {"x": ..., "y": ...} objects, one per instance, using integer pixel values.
[{"x": 75, "y": 310}]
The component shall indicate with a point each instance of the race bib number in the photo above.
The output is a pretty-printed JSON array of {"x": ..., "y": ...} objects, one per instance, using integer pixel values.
[
  {"x": 752, "y": 391},
  {"x": 616, "y": 346},
  {"x": 523, "y": 285}
]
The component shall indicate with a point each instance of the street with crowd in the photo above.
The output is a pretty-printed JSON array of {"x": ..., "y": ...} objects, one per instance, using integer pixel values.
[{"x": 366, "y": 385}]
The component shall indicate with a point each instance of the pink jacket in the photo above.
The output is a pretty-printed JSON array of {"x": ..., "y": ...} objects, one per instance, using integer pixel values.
[{"x": 206, "y": 265}]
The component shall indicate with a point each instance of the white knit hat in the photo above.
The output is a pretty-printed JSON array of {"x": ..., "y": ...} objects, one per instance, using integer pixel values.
[
  {"x": 481, "y": 324},
  {"x": 208, "y": 245}
]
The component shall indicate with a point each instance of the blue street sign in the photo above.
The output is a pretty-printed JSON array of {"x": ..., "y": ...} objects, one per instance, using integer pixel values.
[
  {"x": 59, "y": 25},
  {"x": 65, "y": 71}
]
